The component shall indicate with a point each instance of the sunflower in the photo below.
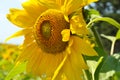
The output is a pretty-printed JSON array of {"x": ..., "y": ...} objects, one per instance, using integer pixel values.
[{"x": 55, "y": 38}]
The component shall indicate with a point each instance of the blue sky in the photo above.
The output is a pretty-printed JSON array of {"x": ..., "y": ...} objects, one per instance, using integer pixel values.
[{"x": 6, "y": 27}]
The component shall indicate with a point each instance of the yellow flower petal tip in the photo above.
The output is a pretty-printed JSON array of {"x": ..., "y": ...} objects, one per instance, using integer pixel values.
[
  {"x": 66, "y": 18},
  {"x": 65, "y": 35}
]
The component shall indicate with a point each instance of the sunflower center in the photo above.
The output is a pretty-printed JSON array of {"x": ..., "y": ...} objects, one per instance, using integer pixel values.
[{"x": 48, "y": 31}]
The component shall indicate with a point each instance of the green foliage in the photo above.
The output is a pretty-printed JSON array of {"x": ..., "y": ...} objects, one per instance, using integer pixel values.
[
  {"x": 107, "y": 8},
  {"x": 17, "y": 69},
  {"x": 118, "y": 35},
  {"x": 110, "y": 68},
  {"x": 90, "y": 14},
  {"x": 93, "y": 65},
  {"x": 8, "y": 69},
  {"x": 106, "y": 19},
  {"x": 8, "y": 54},
  {"x": 107, "y": 67}
]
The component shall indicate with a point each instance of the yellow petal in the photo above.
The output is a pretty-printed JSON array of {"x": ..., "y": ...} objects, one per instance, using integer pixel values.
[
  {"x": 21, "y": 18},
  {"x": 26, "y": 53},
  {"x": 83, "y": 47},
  {"x": 33, "y": 8},
  {"x": 71, "y": 6},
  {"x": 90, "y": 1},
  {"x": 43, "y": 64},
  {"x": 59, "y": 67},
  {"x": 71, "y": 72},
  {"x": 19, "y": 33},
  {"x": 78, "y": 25},
  {"x": 66, "y": 17},
  {"x": 60, "y": 2},
  {"x": 33, "y": 60},
  {"x": 65, "y": 35},
  {"x": 29, "y": 38},
  {"x": 51, "y": 4},
  {"x": 61, "y": 76},
  {"x": 76, "y": 59},
  {"x": 68, "y": 70},
  {"x": 50, "y": 63}
]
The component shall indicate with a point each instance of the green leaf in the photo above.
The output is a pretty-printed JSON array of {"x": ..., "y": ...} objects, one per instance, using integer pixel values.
[
  {"x": 17, "y": 69},
  {"x": 118, "y": 35},
  {"x": 106, "y": 19},
  {"x": 93, "y": 12},
  {"x": 93, "y": 65},
  {"x": 101, "y": 52},
  {"x": 116, "y": 76},
  {"x": 107, "y": 75},
  {"x": 2, "y": 62},
  {"x": 110, "y": 67},
  {"x": 100, "y": 49},
  {"x": 111, "y": 38},
  {"x": 90, "y": 14}
]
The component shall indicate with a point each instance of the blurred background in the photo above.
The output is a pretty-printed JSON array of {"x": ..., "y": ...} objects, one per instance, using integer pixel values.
[
  {"x": 9, "y": 50},
  {"x": 6, "y": 27},
  {"x": 108, "y": 8}
]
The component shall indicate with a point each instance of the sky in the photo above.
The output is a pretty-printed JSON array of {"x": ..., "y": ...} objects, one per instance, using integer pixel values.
[{"x": 6, "y": 27}]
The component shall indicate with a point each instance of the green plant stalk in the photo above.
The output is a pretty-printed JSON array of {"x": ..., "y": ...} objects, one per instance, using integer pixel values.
[
  {"x": 97, "y": 37},
  {"x": 112, "y": 47},
  {"x": 105, "y": 19},
  {"x": 87, "y": 75}
]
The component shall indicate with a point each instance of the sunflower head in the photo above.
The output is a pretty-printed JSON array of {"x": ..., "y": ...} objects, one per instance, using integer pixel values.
[
  {"x": 53, "y": 44},
  {"x": 47, "y": 31}
]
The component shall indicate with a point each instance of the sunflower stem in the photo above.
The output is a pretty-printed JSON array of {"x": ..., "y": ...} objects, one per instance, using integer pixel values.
[
  {"x": 87, "y": 75},
  {"x": 112, "y": 47},
  {"x": 97, "y": 37}
]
